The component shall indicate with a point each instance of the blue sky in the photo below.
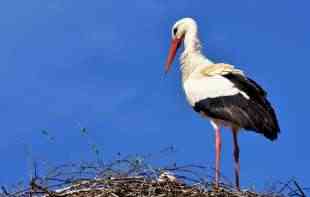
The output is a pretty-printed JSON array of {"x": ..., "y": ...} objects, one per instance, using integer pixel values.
[{"x": 99, "y": 65}]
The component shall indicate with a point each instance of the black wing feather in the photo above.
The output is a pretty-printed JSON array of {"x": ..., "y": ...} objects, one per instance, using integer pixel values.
[{"x": 254, "y": 114}]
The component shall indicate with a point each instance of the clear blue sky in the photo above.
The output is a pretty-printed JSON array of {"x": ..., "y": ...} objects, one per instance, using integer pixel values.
[{"x": 99, "y": 64}]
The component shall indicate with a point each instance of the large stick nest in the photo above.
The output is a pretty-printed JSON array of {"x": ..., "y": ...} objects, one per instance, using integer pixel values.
[
  {"x": 133, "y": 177},
  {"x": 137, "y": 186}
]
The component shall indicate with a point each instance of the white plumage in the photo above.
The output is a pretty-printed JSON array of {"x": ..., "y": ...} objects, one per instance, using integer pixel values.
[{"x": 199, "y": 88}]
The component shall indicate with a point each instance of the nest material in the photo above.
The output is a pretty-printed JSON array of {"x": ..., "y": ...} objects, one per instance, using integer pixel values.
[
  {"x": 137, "y": 187},
  {"x": 133, "y": 177}
]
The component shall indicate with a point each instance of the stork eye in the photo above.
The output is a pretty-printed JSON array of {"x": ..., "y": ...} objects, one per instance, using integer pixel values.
[{"x": 175, "y": 30}]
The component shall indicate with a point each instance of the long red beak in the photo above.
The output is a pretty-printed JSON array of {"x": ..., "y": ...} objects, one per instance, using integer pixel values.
[{"x": 175, "y": 44}]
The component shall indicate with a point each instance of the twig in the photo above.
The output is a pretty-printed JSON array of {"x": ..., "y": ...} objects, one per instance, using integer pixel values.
[
  {"x": 4, "y": 190},
  {"x": 302, "y": 194}
]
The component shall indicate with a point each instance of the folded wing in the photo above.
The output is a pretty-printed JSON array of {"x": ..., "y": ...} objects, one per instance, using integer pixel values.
[{"x": 226, "y": 93}]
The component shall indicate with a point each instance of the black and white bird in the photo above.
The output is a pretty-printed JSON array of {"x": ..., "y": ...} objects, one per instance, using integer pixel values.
[{"x": 221, "y": 93}]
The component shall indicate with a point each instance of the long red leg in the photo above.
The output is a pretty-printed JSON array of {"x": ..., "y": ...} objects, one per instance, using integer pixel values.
[
  {"x": 236, "y": 157},
  {"x": 218, "y": 147}
]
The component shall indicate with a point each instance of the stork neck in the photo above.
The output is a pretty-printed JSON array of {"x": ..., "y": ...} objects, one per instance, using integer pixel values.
[
  {"x": 191, "y": 41},
  {"x": 192, "y": 57}
]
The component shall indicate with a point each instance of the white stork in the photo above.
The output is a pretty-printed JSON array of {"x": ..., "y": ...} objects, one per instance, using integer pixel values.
[{"x": 221, "y": 93}]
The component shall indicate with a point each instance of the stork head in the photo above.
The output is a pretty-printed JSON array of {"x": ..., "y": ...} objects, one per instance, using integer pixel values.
[{"x": 178, "y": 32}]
